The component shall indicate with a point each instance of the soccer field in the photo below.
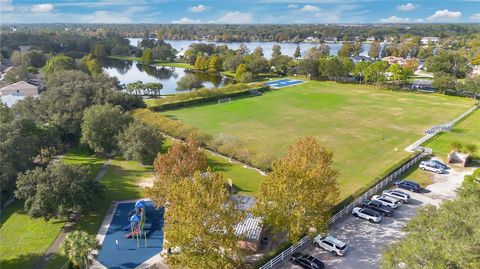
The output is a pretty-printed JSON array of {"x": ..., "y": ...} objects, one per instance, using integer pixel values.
[{"x": 362, "y": 125}]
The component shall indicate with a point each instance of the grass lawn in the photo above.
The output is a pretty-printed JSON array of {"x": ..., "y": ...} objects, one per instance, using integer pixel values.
[
  {"x": 465, "y": 132},
  {"x": 25, "y": 239},
  {"x": 362, "y": 125},
  {"x": 157, "y": 62}
]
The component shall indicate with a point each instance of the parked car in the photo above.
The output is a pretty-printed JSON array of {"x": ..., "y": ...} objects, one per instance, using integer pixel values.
[
  {"x": 306, "y": 261},
  {"x": 432, "y": 167},
  {"x": 330, "y": 244},
  {"x": 440, "y": 164},
  {"x": 403, "y": 197},
  {"x": 367, "y": 213},
  {"x": 408, "y": 185},
  {"x": 377, "y": 206},
  {"x": 386, "y": 201}
]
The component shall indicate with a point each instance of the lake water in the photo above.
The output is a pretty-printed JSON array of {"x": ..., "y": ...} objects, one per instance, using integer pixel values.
[
  {"x": 287, "y": 48},
  {"x": 128, "y": 72}
]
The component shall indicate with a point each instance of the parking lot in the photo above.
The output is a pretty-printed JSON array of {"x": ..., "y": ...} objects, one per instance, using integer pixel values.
[{"x": 366, "y": 240}]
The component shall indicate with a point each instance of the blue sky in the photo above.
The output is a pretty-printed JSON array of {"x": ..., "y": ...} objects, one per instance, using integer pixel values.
[{"x": 239, "y": 11}]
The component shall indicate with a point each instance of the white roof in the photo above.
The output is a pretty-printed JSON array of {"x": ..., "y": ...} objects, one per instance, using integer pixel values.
[
  {"x": 11, "y": 99},
  {"x": 250, "y": 228}
]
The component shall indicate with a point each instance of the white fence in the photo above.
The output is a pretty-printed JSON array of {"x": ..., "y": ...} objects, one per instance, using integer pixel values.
[{"x": 348, "y": 209}]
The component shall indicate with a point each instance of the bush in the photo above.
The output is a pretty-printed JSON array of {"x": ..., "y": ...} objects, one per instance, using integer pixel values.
[
  {"x": 470, "y": 148},
  {"x": 455, "y": 145}
]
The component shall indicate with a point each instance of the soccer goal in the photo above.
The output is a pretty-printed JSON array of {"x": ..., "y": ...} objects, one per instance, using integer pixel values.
[{"x": 224, "y": 100}]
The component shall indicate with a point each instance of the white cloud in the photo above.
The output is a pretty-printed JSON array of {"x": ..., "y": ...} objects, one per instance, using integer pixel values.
[
  {"x": 198, "y": 9},
  {"x": 395, "y": 19},
  {"x": 475, "y": 16},
  {"x": 102, "y": 16},
  {"x": 186, "y": 20},
  {"x": 441, "y": 15},
  {"x": 292, "y": 6},
  {"x": 310, "y": 8},
  {"x": 236, "y": 17},
  {"x": 407, "y": 7},
  {"x": 42, "y": 8}
]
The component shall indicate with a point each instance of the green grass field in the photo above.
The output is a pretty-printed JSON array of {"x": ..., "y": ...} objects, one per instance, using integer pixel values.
[
  {"x": 465, "y": 132},
  {"x": 362, "y": 125}
]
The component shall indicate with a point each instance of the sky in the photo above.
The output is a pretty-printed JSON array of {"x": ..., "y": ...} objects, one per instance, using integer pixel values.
[{"x": 239, "y": 11}]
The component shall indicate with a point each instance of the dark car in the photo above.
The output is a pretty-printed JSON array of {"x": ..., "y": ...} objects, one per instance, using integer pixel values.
[
  {"x": 377, "y": 206},
  {"x": 306, "y": 261},
  {"x": 408, "y": 185},
  {"x": 440, "y": 164}
]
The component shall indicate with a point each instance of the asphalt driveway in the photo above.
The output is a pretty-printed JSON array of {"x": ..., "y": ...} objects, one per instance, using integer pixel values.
[{"x": 366, "y": 240}]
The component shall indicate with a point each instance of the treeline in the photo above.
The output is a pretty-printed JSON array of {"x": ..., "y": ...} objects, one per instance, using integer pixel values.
[
  {"x": 262, "y": 32},
  {"x": 443, "y": 237}
]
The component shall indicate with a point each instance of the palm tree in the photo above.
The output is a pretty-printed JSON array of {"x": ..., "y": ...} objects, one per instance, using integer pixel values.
[{"x": 78, "y": 247}]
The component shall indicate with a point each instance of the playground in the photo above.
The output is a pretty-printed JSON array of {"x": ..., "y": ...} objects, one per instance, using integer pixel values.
[{"x": 138, "y": 229}]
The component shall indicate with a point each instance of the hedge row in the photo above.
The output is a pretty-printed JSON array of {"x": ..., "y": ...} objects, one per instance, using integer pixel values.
[
  {"x": 226, "y": 145},
  {"x": 205, "y": 95}
]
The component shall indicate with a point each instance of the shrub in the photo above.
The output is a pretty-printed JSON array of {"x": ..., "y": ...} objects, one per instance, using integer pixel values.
[
  {"x": 470, "y": 148},
  {"x": 455, "y": 145}
]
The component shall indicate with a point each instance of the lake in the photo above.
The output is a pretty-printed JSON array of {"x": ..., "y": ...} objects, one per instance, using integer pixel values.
[
  {"x": 287, "y": 48},
  {"x": 128, "y": 72}
]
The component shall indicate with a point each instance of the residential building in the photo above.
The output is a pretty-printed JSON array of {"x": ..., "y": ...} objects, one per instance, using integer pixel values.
[
  {"x": 429, "y": 39},
  {"x": 394, "y": 60},
  {"x": 21, "y": 87},
  {"x": 361, "y": 58},
  {"x": 11, "y": 99},
  {"x": 371, "y": 39}
]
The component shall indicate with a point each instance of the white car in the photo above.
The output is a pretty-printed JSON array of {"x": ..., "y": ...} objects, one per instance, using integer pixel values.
[
  {"x": 367, "y": 213},
  {"x": 330, "y": 244},
  {"x": 403, "y": 197},
  {"x": 432, "y": 167},
  {"x": 386, "y": 200}
]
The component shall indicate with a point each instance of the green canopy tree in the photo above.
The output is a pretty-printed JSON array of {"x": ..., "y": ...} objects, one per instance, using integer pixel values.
[
  {"x": 100, "y": 126},
  {"x": 79, "y": 247},
  {"x": 57, "y": 189},
  {"x": 297, "y": 54},
  {"x": 300, "y": 191},
  {"x": 140, "y": 142},
  {"x": 58, "y": 63},
  {"x": 147, "y": 56},
  {"x": 443, "y": 81},
  {"x": 215, "y": 64}
]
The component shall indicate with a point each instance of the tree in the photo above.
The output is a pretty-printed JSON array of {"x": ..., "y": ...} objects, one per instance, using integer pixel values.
[
  {"x": 346, "y": 50},
  {"x": 189, "y": 82},
  {"x": 200, "y": 220},
  {"x": 140, "y": 142},
  {"x": 242, "y": 68},
  {"x": 258, "y": 64},
  {"x": 276, "y": 51},
  {"x": 92, "y": 64},
  {"x": 315, "y": 53},
  {"x": 443, "y": 81},
  {"x": 101, "y": 124},
  {"x": 280, "y": 64},
  {"x": 246, "y": 77},
  {"x": 79, "y": 246},
  {"x": 285, "y": 196},
  {"x": 201, "y": 63},
  {"x": 58, "y": 63},
  {"x": 147, "y": 56},
  {"x": 56, "y": 190},
  {"x": 152, "y": 88},
  {"x": 374, "y": 50},
  {"x": 452, "y": 63},
  {"x": 357, "y": 48},
  {"x": 297, "y": 54},
  {"x": 399, "y": 73},
  {"x": 99, "y": 50},
  {"x": 376, "y": 72},
  {"x": 16, "y": 74},
  {"x": 308, "y": 67},
  {"x": 215, "y": 64},
  {"x": 18, "y": 58},
  {"x": 360, "y": 69},
  {"x": 472, "y": 84}
]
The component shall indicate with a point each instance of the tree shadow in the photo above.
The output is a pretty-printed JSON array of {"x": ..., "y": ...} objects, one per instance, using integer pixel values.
[{"x": 22, "y": 261}]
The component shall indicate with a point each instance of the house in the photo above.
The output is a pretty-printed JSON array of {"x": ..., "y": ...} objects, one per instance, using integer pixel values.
[
  {"x": 371, "y": 39},
  {"x": 21, "y": 87},
  {"x": 312, "y": 39},
  {"x": 330, "y": 39},
  {"x": 423, "y": 85},
  {"x": 394, "y": 60},
  {"x": 361, "y": 58},
  {"x": 429, "y": 39},
  {"x": 475, "y": 70},
  {"x": 11, "y": 99}
]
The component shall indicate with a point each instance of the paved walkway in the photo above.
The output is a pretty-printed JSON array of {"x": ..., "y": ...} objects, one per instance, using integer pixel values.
[{"x": 66, "y": 228}]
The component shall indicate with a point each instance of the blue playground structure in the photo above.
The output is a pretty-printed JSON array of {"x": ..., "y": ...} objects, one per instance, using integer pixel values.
[
  {"x": 138, "y": 228},
  {"x": 276, "y": 84}
]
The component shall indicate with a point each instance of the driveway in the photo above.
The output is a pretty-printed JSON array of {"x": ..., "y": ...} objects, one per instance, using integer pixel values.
[{"x": 366, "y": 240}]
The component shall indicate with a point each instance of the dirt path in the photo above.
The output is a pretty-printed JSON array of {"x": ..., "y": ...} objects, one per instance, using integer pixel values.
[{"x": 40, "y": 264}]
